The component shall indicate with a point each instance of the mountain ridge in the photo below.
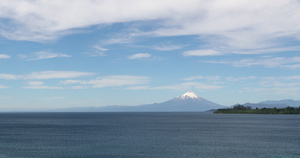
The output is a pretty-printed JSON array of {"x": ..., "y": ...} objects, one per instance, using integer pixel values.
[
  {"x": 188, "y": 102},
  {"x": 275, "y": 103}
]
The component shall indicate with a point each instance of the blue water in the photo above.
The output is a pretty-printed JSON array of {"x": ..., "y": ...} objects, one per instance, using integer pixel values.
[{"x": 148, "y": 135}]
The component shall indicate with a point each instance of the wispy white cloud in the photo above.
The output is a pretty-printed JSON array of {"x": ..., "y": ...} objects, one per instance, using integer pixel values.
[
  {"x": 202, "y": 52},
  {"x": 4, "y": 56},
  {"x": 100, "y": 48},
  {"x": 228, "y": 50},
  {"x": 106, "y": 81},
  {"x": 287, "y": 85},
  {"x": 47, "y": 20},
  {"x": 97, "y": 50},
  {"x": 139, "y": 56},
  {"x": 114, "y": 81},
  {"x": 40, "y": 85},
  {"x": 237, "y": 79},
  {"x": 193, "y": 78},
  {"x": 43, "y": 55},
  {"x": 56, "y": 75},
  {"x": 79, "y": 87},
  {"x": 297, "y": 77},
  {"x": 46, "y": 75},
  {"x": 209, "y": 78},
  {"x": 110, "y": 81},
  {"x": 280, "y": 82},
  {"x": 280, "y": 85},
  {"x": 294, "y": 66},
  {"x": 239, "y": 24},
  {"x": 138, "y": 87},
  {"x": 235, "y": 24},
  {"x": 268, "y": 50},
  {"x": 35, "y": 83},
  {"x": 167, "y": 47},
  {"x": 121, "y": 39},
  {"x": 55, "y": 98},
  {"x": 190, "y": 85},
  {"x": 274, "y": 87},
  {"x": 272, "y": 90},
  {"x": 269, "y": 62},
  {"x": 9, "y": 76}
]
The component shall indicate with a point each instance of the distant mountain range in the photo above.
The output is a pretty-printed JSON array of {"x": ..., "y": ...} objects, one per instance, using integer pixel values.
[
  {"x": 277, "y": 104},
  {"x": 188, "y": 102}
]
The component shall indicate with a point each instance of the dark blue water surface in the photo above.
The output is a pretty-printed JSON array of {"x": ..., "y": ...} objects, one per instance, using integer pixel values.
[{"x": 148, "y": 135}]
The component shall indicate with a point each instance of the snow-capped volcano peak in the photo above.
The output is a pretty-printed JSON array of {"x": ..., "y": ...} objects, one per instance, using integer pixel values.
[{"x": 188, "y": 95}]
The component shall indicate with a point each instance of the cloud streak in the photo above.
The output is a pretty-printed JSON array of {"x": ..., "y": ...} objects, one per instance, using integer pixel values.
[
  {"x": 288, "y": 85},
  {"x": 190, "y": 85},
  {"x": 44, "y": 75},
  {"x": 167, "y": 47},
  {"x": 109, "y": 81},
  {"x": 9, "y": 76},
  {"x": 43, "y": 55},
  {"x": 239, "y": 24},
  {"x": 40, "y": 85},
  {"x": 45, "y": 20},
  {"x": 140, "y": 56},
  {"x": 236, "y": 25},
  {"x": 202, "y": 52},
  {"x": 56, "y": 75},
  {"x": 97, "y": 51},
  {"x": 269, "y": 62},
  {"x": 4, "y": 56}
]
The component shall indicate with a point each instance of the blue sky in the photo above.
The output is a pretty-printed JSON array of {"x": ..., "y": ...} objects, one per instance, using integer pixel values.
[{"x": 57, "y": 54}]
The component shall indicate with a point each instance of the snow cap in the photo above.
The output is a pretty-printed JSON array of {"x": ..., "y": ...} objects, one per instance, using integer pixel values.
[{"x": 188, "y": 95}]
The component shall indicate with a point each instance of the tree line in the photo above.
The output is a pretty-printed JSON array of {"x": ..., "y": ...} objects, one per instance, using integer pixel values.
[{"x": 241, "y": 109}]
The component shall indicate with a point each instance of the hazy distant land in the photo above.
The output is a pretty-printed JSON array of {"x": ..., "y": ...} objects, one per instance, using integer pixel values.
[
  {"x": 184, "y": 103},
  {"x": 188, "y": 102}
]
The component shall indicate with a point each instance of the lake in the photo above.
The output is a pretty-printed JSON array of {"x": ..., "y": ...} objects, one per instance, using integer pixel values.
[{"x": 148, "y": 135}]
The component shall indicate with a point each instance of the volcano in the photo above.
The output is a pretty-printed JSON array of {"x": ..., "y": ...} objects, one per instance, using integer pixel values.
[{"x": 188, "y": 102}]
